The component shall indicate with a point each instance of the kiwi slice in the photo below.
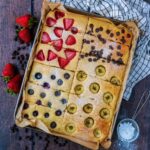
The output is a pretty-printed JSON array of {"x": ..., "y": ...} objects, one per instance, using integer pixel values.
[
  {"x": 107, "y": 97},
  {"x": 89, "y": 122},
  {"x": 104, "y": 113},
  {"x": 94, "y": 87},
  {"x": 115, "y": 81},
  {"x": 70, "y": 128},
  {"x": 88, "y": 108},
  {"x": 81, "y": 76},
  {"x": 79, "y": 89},
  {"x": 72, "y": 108},
  {"x": 97, "y": 132},
  {"x": 100, "y": 70}
]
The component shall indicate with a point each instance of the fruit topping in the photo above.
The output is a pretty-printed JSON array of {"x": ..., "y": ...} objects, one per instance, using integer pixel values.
[
  {"x": 70, "y": 128},
  {"x": 79, "y": 89},
  {"x": 25, "y": 106},
  {"x": 72, "y": 108},
  {"x": 97, "y": 133},
  {"x": 50, "y": 21},
  {"x": 35, "y": 113},
  {"x": 58, "y": 31},
  {"x": 26, "y": 116},
  {"x": 59, "y": 14},
  {"x": 30, "y": 91},
  {"x": 46, "y": 85},
  {"x": 81, "y": 76},
  {"x": 88, "y": 108},
  {"x": 40, "y": 55},
  {"x": 94, "y": 87},
  {"x": 66, "y": 76},
  {"x": 63, "y": 62},
  {"x": 70, "y": 40},
  {"x": 74, "y": 30},
  {"x": 57, "y": 93},
  {"x": 46, "y": 115},
  {"x": 70, "y": 53},
  {"x": 51, "y": 55},
  {"x": 59, "y": 82},
  {"x": 58, "y": 112},
  {"x": 53, "y": 77},
  {"x": 53, "y": 124},
  {"x": 104, "y": 113},
  {"x": 57, "y": 44},
  {"x": 42, "y": 95},
  {"x": 68, "y": 23},
  {"x": 115, "y": 81},
  {"x": 38, "y": 102},
  {"x": 107, "y": 97},
  {"x": 38, "y": 75},
  {"x": 49, "y": 104},
  {"x": 63, "y": 101},
  {"x": 45, "y": 38},
  {"x": 100, "y": 70},
  {"x": 89, "y": 122}
]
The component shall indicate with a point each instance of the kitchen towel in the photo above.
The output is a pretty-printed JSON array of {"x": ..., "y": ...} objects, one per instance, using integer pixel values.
[{"x": 124, "y": 10}]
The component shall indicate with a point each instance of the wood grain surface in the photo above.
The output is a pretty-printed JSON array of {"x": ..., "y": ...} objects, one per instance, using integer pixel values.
[{"x": 14, "y": 138}]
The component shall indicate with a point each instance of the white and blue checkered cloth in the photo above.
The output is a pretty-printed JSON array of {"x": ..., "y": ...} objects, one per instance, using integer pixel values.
[{"x": 124, "y": 10}]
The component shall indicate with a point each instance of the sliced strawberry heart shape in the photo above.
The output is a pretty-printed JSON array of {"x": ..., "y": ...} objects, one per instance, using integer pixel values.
[
  {"x": 63, "y": 62},
  {"x": 68, "y": 23},
  {"x": 70, "y": 40},
  {"x": 57, "y": 44},
  {"x": 59, "y": 14},
  {"x": 74, "y": 30},
  {"x": 50, "y": 21},
  {"x": 45, "y": 38},
  {"x": 40, "y": 55},
  {"x": 51, "y": 55},
  {"x": 70, "y": 53},
  {"x": 58, "y": 31}
]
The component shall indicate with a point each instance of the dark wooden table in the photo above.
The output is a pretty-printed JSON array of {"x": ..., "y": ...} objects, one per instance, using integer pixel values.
[{"x": 14, "y": 138}]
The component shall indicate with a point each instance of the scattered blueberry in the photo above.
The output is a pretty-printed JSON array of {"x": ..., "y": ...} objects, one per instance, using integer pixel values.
[
  {"x": 38, "y": 102},
  {"x": 26, "y": 105},
  {"x": 35, "y": 113},
  {"x": 53, "y": 125},
  {"x": 64, "y": 101},
  {"x": 46, "y": 115},
  {"x": 66, "y": 76},
  {"x": 46, "y": 85},
  {"x": 60, "y": 82},
  {"x": 58, "y": 112},
  {"x": 26, "y": 116},
  {"x": 53, "y": 77},
  {"x": 38, "y": 75},
  {"x": 57, "y": 93},
  {"x": 30, "y": 91},
  {"x": 42, "y": 95},
  {"x": 49, "y": 104}
]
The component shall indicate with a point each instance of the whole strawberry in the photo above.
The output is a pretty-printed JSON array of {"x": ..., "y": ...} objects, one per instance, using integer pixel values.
[
  {"x": 13, "y": 86},
  {"x": 26, "y": 21},
  {"x": 25, "y": 35},
  {"x": 8, "y": 72}
]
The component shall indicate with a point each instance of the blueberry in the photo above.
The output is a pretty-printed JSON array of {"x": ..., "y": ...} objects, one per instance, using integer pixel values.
[
  {"x": 58, "y": 112},
  {"x": 38, "y": 75},
  {"x": 49, "y": 104},
  {"x": 46, "y": 85},
  {"x": 66, "y": 76},
  {"x": 42, "y": 95},
  {"x": 53, "y": 125},
  {"x": 35, "y": 113},
  {"x": 64, "y": 101},
  {"x": 26, "y": 116},
  {"x": 60, "y": 82},
  {"x": 57, "y": 93},
  {"x": 30, "y": 91},
  {"x": 26, "y": 105},
  {"x": 46, "y": 115},
  {"x": 53, "y": 77},
  {"x": 38, "y": 102}
]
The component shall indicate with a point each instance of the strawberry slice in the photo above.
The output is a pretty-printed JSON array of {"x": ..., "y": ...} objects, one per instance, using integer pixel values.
[
  {"x": 62, "y": 62},
  {"x": 68, "y": 23},
  {"x": 45, "y": 38},
  {"x": 57, "y": 44},
  {"x": 70, "y": 40},
  {"x": 40, "y": 55},
  {"x": 51, "y": 55},
  {"x": 58, "y": 31},
  {"x": 50, "y": 21},
  {"x": 74, "y": 30},
  {"x": 59, "y": 14},
  {"x": 70, "y": 53}
]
